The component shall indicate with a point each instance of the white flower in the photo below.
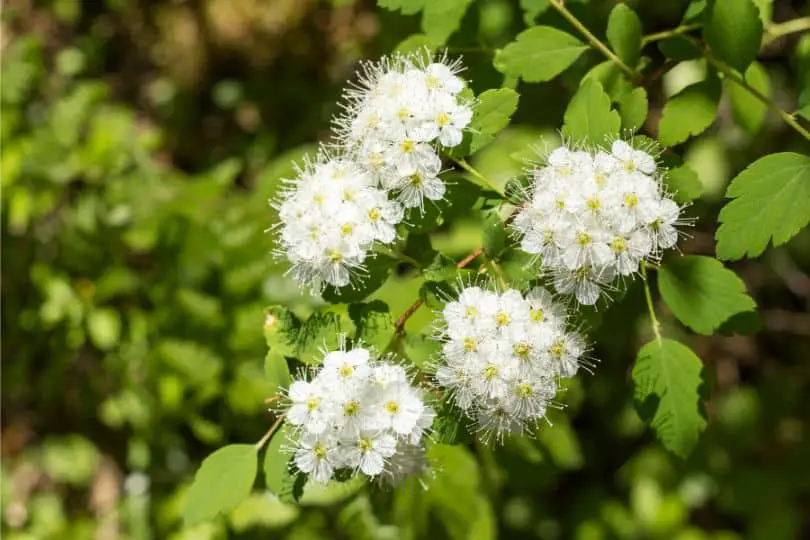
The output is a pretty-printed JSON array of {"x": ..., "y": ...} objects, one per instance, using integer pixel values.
[
  {"x": 356, "y": 414},
  {"x": 368, "y": 451},
  {"x": 590, "y": 216},
  {"x": 503, "y": 375},
  {"x": 315, "y": 456}
]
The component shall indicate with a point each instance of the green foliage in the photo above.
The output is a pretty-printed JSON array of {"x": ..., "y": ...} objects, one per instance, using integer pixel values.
[
  {"x": 702, "y": 293},
  {"x": 407, "y": 7},
  {"x": 492, "y": 113},
  {"x": 771, "y": 202},
  {"x": 589, "y": 117},
  {"x": 624, "y": 34},
  {"x": 666, "y": 380},
  {"x": 748, "y": 111},
  {"x": 539, "y": 54},
  {"x": 374, "y": 324},
  {"x": 441, "y": 18},
  {"x": 375, "y": 274},
  {"x": 633, "y": 109},
  {"x": 733, "y": 30},
  {"x": 689, "y": 112},
  {"x": 224, "y": 480}
]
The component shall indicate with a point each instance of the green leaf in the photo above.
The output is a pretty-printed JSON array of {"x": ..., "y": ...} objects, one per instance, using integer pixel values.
[
  {"x": 495, "y": 234},
  {"x": 407, "y": 7},
  {"x": 771, "y": 202},
  {"x": 276, "y": 462},
  {"x": 276, "y": 370},
  {"x": 292, "y": 487},
  {"x": 223, "y": 481},
  {"x": 374, "y": 324},
  {"x": 748, "y": 111},
  {"x": 633, "y": 108},
  {"x": 533, "y": 9},
  {"x": 420, "y": 348},
  {"x": 441, "y": 18},
  {"x": 435, "y": 294},
  {"x": 539, "y": 54},
  {"x": 460, "y": 196},
  {"x": 667, "y": 380},
  {"x": 683, "y": 183},
  {"x": 624, "y": 34},
  {"x": 613, "y": 81},
  {"x": 104, "y": 328},
  {"x": 589, "y": 118},
  {"x": 419, "y": 248},
  {"x": 492, "y": 114},
  {"x": 679, "y": 48},
  {"x": 375, "y": 274},
  {"x": 280, "y": 330},
  {"x": 321, "y": 330},
  {"x": 417, "y": 43},
  {"x": 689, "y": 112},
  {"x": 733, "y": 30},
  {"x": 702, "y": 293}
]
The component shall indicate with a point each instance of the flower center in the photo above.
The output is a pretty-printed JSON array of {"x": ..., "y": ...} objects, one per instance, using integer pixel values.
[
  {"x": 416, "y": 179},
  {"x": 374, "y": 214},
  {"x": 470, "y": 345},
  {"x": 442, "y": 119},
  {"x": 346, "y": 229},
  {"x": 345, "y": 371},
  {"x": 334, "y": 255},
  {"x": 392, "y": 407},
  {"x": 583, "y": 238},
  {"x": 521, "y": 350},
  {"x": 502, "y": 318},
  {"x": 619, "y": 245},
  {"x": 365, "y": 445},
  {"x": 403, "y": 113},
  {"x": 560, "y": 203},
  {"x": 631, "y": 200},
  {"x": 593, "y": 204},
  {"x": 557, "y": 349},
  {"x": 537, "y": 315},
  {"x": 407, "y": 146},
  {"x": 318, "y": 198},
  {"x": 433, "y": 82},
  {"x": 319, "y": 450},
  {"x": 600, "y": 178},
  {"x": 312, "y": 403},
  {"x": 629, "y": 165},
  {"x": 350, "y": 408},
  {"x": 524, "y": 390},
  {"x": 490, "y": 372},
  {"x": 470, "y": 312}
]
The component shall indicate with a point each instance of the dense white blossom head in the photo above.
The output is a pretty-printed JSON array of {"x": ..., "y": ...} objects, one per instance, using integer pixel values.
[
  {"x": 330, "y": 216},
  {"x": 591, "y": 216},
  {"x": 503, "y": 355},
  {"x": 401, "y": 111},
  {"x": 358, "y": 414}
]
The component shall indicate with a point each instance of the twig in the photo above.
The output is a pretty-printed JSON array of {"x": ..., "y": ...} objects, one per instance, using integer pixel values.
[
  {"x": 270, "y": 432},
  {"x": 677, "y": 31},
  {"x": 461, "y": 162},
  {"x": 400, "y": 324},
  {"x": 777, "y": 30},
  {"x": 656, "y": 326}
]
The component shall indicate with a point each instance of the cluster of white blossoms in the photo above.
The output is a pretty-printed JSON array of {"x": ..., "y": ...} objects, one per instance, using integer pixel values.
[
  {"x": 503, "y": 356},
  {"x": 395, "y": 120},
  {"x": 397, "y": 117},
  {"x": 360, "y": 415},
  {"x": 592, "y": 216},
  {"x": 329, "y": 218}
]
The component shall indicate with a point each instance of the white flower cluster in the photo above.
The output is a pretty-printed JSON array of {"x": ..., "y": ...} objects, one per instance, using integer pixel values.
[
  {"x": 395, "y": 118},
  {"x": 358, "y": 414},
  {"x": 394, "y": 121},
  {"x": 503, "y": 356},
  {"x": 593, "y": 216},
  {"x": 330, "y": 217}
]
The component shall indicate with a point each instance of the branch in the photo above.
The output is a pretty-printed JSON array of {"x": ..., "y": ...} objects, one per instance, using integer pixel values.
[
  {"x": 656, "y": 326},
  {"x": 270, "y": 432},
  {"x": 400, "y": 324},
  {"x": 461, "y": 162}
]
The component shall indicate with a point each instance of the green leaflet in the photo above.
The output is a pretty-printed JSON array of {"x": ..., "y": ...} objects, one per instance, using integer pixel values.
[
  {"x": 589, "y": 117},
  {"x": 771, "y": 202},
  {"x": 689, "y": 112},
  {"x": 223, "y": 481},
  {"x": 539, "y": 54},
  {"x": 624, "y": 34},
  {"x": 748, "y": 111},
  {"x": 441, "y": 18},
  {"x": 702, "y": 293},
  {"x": 733, "y": 30},
  {"x": 667, "y": 380}
]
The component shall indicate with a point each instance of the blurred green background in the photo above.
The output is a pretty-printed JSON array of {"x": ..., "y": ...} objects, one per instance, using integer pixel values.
[{"x": 140, "y": 144}]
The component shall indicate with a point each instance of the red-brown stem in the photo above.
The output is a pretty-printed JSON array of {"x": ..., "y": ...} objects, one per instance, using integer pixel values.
[{"x": 400, "y": 325}]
